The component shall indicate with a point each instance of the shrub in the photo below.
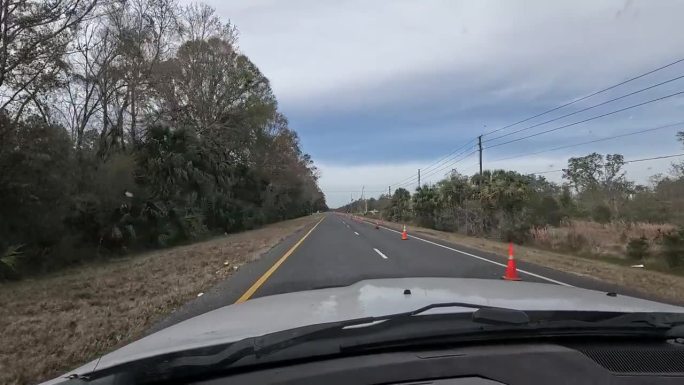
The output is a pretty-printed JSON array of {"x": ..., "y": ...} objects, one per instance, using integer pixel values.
[
  {"x": 550, "y": 211},
  {"x": 601, "y": 214},
  {"x": 673, "y": 247},
  {"x": 637, "y": 248},
  {"x": 575, "y": 241},
  {"x": 9, "y": 262},
  {"x": 515, "y": 228}
]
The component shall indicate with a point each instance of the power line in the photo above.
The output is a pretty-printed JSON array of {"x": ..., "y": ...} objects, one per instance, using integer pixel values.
[
  {"x": 586, "y": 120},
  {"x": 627, "y": 161},
  {"x": 414, "y": 177},
  {"x": 453, "y": 152},
  {"x": 352, "y": 191},
  {"x": 468, "y": 167},
  {"x": 451, "y": 164},
  {"x": 585, "y": 109},
  {"x": 435, "y": 163},
  {"x": 588, "y": 142},
  {"x": 454, "y": 163},
  {"x": 585, "y": 97}
]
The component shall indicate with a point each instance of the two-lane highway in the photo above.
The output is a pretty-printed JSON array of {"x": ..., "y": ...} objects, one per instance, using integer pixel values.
[{"x": 340, "y": 250}]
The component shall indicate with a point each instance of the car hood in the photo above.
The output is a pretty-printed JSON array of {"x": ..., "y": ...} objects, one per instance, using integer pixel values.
[{"x": 367, "y": 298}]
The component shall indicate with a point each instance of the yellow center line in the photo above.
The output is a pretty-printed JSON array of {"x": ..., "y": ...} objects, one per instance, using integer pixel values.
[{"x": 250, "y": 292}]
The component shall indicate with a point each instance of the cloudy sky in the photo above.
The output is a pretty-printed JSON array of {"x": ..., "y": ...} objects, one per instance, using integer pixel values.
[{"x": 378, "y": 89}]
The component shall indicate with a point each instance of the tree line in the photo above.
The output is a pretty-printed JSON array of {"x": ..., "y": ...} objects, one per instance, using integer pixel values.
[
  {"x": 134, "y": 124},
  {"x": 506, "y": 205}
]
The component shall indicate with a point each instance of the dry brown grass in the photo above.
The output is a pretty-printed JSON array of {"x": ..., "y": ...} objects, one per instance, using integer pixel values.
[
  {"x": 602, "y": 240},
  {"x": 667, "y": 287},
  {"x": 53, "y": 324}
]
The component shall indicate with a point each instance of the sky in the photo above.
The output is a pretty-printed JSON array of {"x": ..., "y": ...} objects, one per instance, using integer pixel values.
[{"x": 378, "y": 89}]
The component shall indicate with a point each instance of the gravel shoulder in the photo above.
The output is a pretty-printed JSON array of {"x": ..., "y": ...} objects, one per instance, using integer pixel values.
[
  {"x": 668, "y": 287},
  {"x": 55, "y": 323}
]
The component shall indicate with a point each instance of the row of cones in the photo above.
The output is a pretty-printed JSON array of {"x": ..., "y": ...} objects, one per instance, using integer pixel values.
[{"x": 511, "y": 273}]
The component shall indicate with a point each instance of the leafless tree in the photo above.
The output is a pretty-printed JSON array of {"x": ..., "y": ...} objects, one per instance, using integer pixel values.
[
  {"x": 202, "y": 23},
  {"x": 34, "y": 36}
]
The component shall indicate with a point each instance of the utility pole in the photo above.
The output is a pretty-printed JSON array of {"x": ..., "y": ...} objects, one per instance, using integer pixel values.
[
  {"x": 419, "y": 178},
  {"x": 479, "y": 145},
  {"x": 363, "y": 198},
  {"x": 389, "y": 191},
  {"x": 479, "y": 185}
]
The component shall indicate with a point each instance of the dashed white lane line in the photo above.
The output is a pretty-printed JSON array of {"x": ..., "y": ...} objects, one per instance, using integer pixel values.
[
  {"x": 356, "y": 233},
  {"x": 380, "y": 253},
  {"x": 480, "y": 258}
]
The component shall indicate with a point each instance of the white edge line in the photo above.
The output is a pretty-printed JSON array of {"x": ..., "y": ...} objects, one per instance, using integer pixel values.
[
  {"x": 480, "y": 258},
  {"x": 380, "y": 253}
]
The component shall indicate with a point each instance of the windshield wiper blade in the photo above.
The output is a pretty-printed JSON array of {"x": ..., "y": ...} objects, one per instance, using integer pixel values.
[
  {"x": 191, "y": 363},
  {"x": 396, "y": 330},
  {"x": 656, "y": 325},
  {"x": 653, "y": 319},
  {"x": 272, "y": 342}
]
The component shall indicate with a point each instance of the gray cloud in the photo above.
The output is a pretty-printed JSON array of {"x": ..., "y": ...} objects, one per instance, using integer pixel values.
[
  {"x": 316, "y": 50},
  {"x": 431, "y": 73}
]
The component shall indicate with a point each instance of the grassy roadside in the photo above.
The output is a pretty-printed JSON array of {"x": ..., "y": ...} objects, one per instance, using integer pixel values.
[
  {"x": 658, "y": 284},
  {"x": 58, "y": 322}
]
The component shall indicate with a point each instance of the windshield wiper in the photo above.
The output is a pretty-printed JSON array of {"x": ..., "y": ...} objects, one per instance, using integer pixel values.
[
  {"x": 399, "y": 330},
  {"x": 260, "y": 346},
  {"x": 561, "y": 324},
  {"x": 206, "y": 360}
]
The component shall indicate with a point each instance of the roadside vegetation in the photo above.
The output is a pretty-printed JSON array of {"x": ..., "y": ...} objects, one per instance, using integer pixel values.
[
  {"x": 661, "y": 286},
  {"x": 133, "y": 125},
  {"x": 596, "y": 212},
  {"x": 69, "y": 317}
]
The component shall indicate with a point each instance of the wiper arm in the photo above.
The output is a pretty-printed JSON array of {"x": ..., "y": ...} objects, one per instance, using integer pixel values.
[
  {"x": 653, "y": 319},
  {"x": 400, "y": 329},
  {"x": 272, "y": 342},
  {"x": 655, "y": 325},
  {"x": 180, "y": 364}
]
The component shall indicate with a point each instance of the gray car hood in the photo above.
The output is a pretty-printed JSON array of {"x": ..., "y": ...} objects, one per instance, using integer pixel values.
[{"x": 366, "y": 298}]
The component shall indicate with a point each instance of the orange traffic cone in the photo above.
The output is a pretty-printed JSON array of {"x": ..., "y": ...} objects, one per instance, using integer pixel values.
[
  {"x": 511, "y": 270},
  {"x": 404, "y": 235}
]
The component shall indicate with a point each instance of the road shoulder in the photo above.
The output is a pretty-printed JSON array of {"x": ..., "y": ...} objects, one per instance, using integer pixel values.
[
  {"x": 596, "y": 273},
  {"x": 55, "y": 323}
]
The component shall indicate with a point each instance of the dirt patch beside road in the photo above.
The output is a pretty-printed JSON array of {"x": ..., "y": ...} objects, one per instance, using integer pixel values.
[
  {"x": 56, "y": 323},
  {"x": 660, "y": 285}
]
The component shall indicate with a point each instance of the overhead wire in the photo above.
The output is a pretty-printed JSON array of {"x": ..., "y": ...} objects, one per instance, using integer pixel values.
[
  {"x": 450, "y": 164},
  {"x": 414, "y": 177},
  {"x": 435, "y": 163},
  {"x": 584, "y": 109},
  {"x": 432, "y": 172},
  {"x": 586, "y": 120},
  {"x": 627, "y": 161},
  {"x": 586, "y": 97},
  {"x": 352, "y": 191},
  {"x": 588, "y": 142}
]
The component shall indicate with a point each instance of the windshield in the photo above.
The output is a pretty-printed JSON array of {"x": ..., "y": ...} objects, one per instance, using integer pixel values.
[{"x": 318, "y": 162}]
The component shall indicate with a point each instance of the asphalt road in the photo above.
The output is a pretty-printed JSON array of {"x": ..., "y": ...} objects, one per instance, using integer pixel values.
[{"x": 339, "y": 251}]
